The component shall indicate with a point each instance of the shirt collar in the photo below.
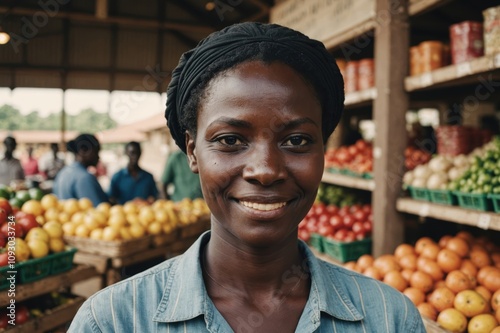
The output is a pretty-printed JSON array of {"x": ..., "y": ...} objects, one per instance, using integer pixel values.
[{"x": 185, "y": 295}]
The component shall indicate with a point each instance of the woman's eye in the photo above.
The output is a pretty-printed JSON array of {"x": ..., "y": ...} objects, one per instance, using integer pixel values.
[
  {"x": 230, "y": 141},
  {"x": 296, "y": 141}
]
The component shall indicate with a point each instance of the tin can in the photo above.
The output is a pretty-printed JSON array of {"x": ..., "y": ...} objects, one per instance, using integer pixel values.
[
  {"x": 351, "y": 76},
  {"x": 491, "y": 30},
  {"x": 366, "y": 74},
  {"x": 415, "y": 60},
  {"x": 431, "y": 53}
]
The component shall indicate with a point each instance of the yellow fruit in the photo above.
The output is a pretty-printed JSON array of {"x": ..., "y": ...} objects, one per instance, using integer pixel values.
[
  {"x": 125, "y": 234},
  {"x": 21, "y": 250},
  {"x": 470, "y": 303},
  {"x": 161, "y": 216},
  {"x": 155, "y": 228},
  {"x": 116, "y": 209},
  {"x": 130, "y": 208},
  {"x": 49, "y": 201},
  {"x": 64, "y": 217},
  {"x": 54, "y": 229},
  {"x": 38, "y": 248},
  {"x": 137, "y": 230},
  {"x": 483, "y": 323},
  {"x": 96, "y": 233},
  {"x": 78, "y": 218},
  {"x": 71, "y": 206},
  {"x": 32, "y": 207},
  {"x": 40, "y": 219},
  {"x": 56, "y": 245},
  {"x": 51, "y": 214},
  {"x": 452, "y": 320},
  {"x": 82, "y": 231},
  {"x": 37, "y": 233},
  {"x": 168, "y": 228},
  {"x": 69, "y": 228},
  {"x": 132, "y": 218},
  {"x": 110, "y": 234},
  {"x": 104, "y": 207},
  {"x": 117, "y": 220},
  {"x": 146, "y": 215},
  {"x": 84, "y": 204}
]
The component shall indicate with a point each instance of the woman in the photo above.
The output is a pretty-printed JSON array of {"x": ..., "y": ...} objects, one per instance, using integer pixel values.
[
  {"x": 252, "y": 106},
  {"x": 74, "y": 181}
]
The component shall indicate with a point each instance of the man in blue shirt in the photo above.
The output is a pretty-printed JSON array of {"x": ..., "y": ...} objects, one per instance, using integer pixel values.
[
  {"x": 74, "y": 181},
  {"x": 132, "y": 182}
]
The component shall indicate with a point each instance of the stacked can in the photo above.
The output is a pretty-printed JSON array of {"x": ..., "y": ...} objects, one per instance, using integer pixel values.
[
  {"x": 491, "y": 30},
  {"x": 466, "y": 41}
]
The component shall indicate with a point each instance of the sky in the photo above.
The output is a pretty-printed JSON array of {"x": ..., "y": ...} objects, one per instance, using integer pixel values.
[{"x": 123, "y": 106}]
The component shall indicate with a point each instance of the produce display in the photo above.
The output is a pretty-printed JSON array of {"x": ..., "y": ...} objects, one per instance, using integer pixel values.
[
  {"x": 337, "y": 195},
  {"x": 345, "y": 224},
  {"x": 454, "y": 281},
  {"x": 357, "y": 158}
]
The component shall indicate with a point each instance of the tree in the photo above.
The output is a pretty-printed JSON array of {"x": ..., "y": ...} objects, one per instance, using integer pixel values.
[{"x": 10, "y": 117}]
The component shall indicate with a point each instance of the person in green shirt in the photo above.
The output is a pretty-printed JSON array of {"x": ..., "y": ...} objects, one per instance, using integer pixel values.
[{"x": 177, "y": 172}]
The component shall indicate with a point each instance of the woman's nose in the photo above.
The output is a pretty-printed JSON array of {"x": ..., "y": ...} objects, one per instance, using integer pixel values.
[{"x": 265, "y": 165}]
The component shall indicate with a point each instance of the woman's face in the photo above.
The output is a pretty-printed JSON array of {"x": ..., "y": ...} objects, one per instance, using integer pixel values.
[{"x": 259, "y": 151}]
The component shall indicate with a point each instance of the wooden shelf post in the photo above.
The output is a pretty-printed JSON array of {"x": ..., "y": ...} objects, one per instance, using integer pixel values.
[{"x": 390, "y": 106}]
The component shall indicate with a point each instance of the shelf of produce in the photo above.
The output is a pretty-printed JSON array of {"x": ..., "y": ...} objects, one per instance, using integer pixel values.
[
  {"x": 53, "y": 319},
  {"x": 50, "y": 283},
  {"x": 484, "y": 220},
  {"x": 454, "y": 74},
  {"x": 348, "y": 181},
  {"x": 360, "y": 98},
  {"x": 420, "y": 6}
]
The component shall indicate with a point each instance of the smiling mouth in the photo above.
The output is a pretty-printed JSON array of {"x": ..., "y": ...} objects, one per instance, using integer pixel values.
[{"x": 262, "y": 206}]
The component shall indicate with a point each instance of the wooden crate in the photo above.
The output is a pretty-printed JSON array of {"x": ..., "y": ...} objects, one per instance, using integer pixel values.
[
  {"x": 433, "y": 327},
  {"x": 195, "y": 229},
  {"x": 165, "y": 239},
  {"x": 110, "y": 249}
]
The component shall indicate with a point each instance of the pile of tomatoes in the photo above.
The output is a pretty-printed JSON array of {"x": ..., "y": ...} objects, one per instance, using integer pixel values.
[
  {"x": 356, "y": 158},
  {"x": 344, "y": 224}
]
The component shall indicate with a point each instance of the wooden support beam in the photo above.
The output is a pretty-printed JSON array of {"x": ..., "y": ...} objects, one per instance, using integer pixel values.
[{"x": 390, "y": 106}]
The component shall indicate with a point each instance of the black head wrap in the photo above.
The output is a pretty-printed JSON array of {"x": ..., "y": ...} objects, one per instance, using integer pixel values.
[
  {"x": 245, "y": 41},
  {"x": 83, "y": 143}
]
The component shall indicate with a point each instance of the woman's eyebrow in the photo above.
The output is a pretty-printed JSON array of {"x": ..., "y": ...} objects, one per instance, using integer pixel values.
[
  {"x": 297, "y": 122},
  {"x": 232, "y": 122}
]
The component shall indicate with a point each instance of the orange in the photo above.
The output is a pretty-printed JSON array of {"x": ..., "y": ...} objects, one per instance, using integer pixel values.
[
  {"x": 373, "y": 273},
  {"x": 483, "y": 272},
  {"x": 457, "y": 281},
  {"x": 441, "y": 299},
  {"x": 452, "y": 320},
  {"x": 422, "y": 281},
  {"x": 480, "y": 258},
  {"x": 415, "y": 295},
  {"x": 386, "y": 263},
  {"x": 444, "y": 240},
  {"x": 468, "y": 267},
  {"x": 403, "y": 249},
  {"x": 408, "y": 261},
  {"x": 495, "y": 300},
  {"x": 422, "y": 243},
  {"x": 430, "y": 251},
  {"x": 492, "y": 280},
  {"x": 448, "y": 260},
  {"x": 365, "y": 261},
  {"x": 406, "y": 273},
  {"x": 470, "y": 303},
  {"x": 395, "y": 280},
  {"x": 483, "y": 323},
  {"x": 467, "y": 236},
  {"x": 459, "y": 246},
  {"x": 433, "y": 269},
  {"x": 427, "y": 310},
  {"x": 483, "y": 291}
]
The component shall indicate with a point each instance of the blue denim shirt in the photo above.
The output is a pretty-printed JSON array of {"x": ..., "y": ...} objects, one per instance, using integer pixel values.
[{"x": 171, "y": 297}]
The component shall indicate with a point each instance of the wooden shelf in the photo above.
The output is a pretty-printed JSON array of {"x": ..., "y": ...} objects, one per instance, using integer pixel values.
[
  {"x": 463, "y": 73},
  {"x": 360, "y": 98},
  {"x": 53, "y": 319},
  {"x": 50, "y": 283},
  {"x": 347, "y": 181},
  {"x": 420, "y": 6},
  {"x": 484, "y": 220}
]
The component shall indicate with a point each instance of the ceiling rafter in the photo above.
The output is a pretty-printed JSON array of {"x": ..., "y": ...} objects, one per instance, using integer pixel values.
[{"x": 197, "y": 14}]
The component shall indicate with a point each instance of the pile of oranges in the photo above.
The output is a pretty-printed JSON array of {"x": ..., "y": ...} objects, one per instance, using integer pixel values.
[{"x": 455, "y": 281}]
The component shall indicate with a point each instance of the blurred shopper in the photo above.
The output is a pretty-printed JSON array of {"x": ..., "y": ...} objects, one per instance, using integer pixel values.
[
  {"x": 178, "y": 173},
  {"x": 30, "y": 165},
  {"x": 74, "y": 181},
  {"x": 51, "y": 162},
  {"x": 10, "y": 167},
  {"x": 132, "y": 182}
]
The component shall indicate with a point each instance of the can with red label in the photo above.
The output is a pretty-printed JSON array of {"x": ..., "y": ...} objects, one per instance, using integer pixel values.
[{"x": 466, "y": 41}]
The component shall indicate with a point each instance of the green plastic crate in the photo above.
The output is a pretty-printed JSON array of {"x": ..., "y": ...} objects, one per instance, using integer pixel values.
[
  {"x": 443, "y": 197},
  {"x": 62, "y": 261},
  {"x": 419, "y": 193},
  {"x": 34, "y": 269},
  {"x": 4, "y": 283},
  {"x": 347, "y": 251},
  {"x": 495, "y": 199},
  {"x": 473, "y": 201},
  {"x": 317, "y": 242},
  {"x": 367, "y": 175},
  {"x": 334, "y": 170}
]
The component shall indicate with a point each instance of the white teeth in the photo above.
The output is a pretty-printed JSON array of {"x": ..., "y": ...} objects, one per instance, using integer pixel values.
[{"x": 264, "y": 207}]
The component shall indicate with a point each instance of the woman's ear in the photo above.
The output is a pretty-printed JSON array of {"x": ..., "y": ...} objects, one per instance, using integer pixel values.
[{"x": 191, "y": 151}]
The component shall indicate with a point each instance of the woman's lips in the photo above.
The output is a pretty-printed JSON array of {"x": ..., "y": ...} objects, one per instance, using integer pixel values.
[{"x": 263, "y": 206}]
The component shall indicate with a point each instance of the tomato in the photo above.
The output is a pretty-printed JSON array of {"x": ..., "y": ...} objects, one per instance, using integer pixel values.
[
  {"x": 350, "y": 236},
  {"x": 3, "y": 240},
  {"x": 360, "y": 215},
  {"x": 319, "y": 209},
  {"x": 343, "y": 211},
  {"x": 22, "y": 315},
  {"x": 304, "y": 235},
  {"x": 18, "y": 230},
  {"x": 4, "y": 320},
  {"x": 336, "y": 221},
  {"x": 4, "y": 204},
  {"x": 368, "y": 226},
  {"x": 358, "y": 227},
  {"x": 332, "y": 209},
  {"x": 340, "y": 234},
  {"x": 4, "y": 259},
  {"x": 323, "y": 219},
  {"x": 28, "y": 222},
  {"x": 3, "y": 215},
  {"x": 348, "y": 221},
  {"x": 367, "y": 209},
  {"x": 354, "y": 208},
  {"x": 326, "y": 230}
]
